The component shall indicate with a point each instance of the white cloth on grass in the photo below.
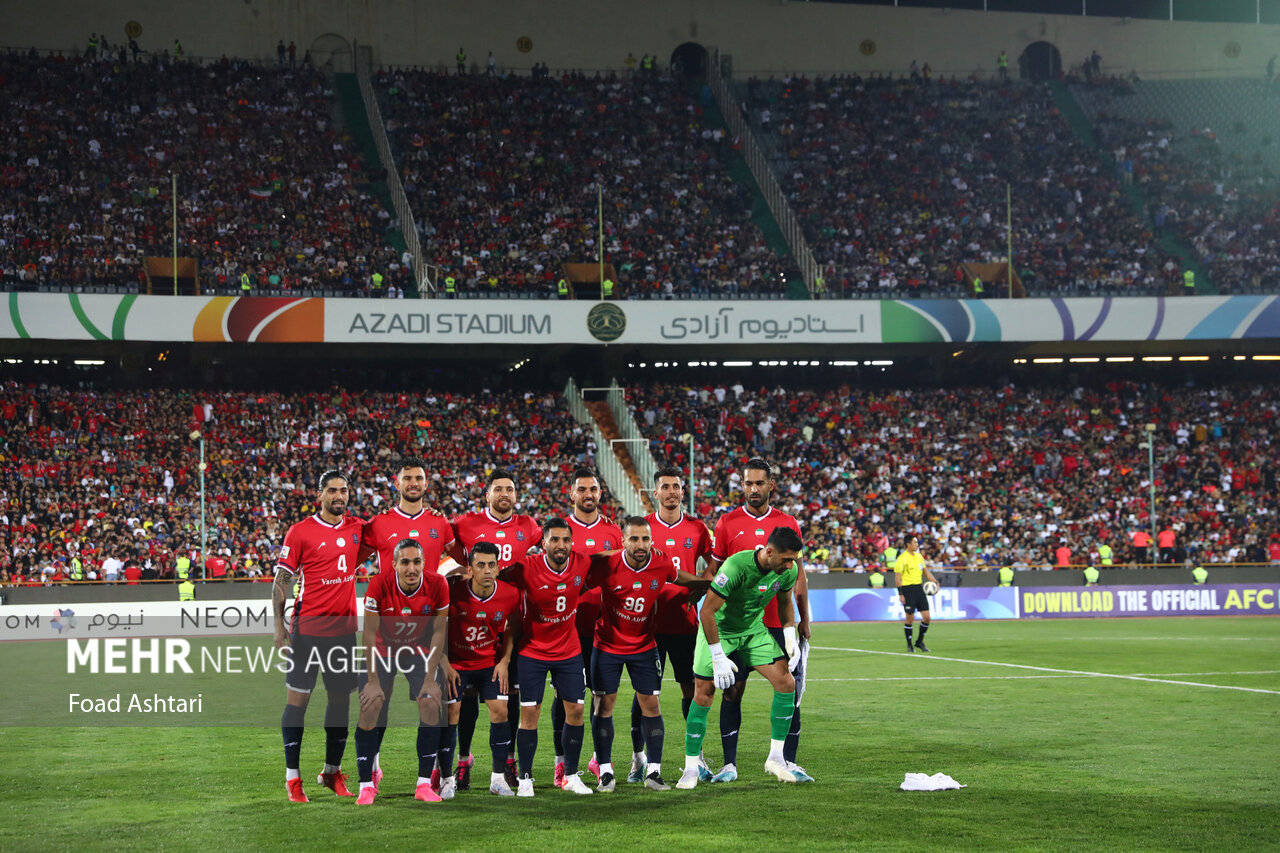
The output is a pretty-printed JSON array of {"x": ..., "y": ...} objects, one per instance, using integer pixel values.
[{"x": 936, "y": 782}]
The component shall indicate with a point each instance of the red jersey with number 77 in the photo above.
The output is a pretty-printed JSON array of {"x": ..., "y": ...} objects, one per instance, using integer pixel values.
[
  {"x": 405, "y": 618},
  {"x": 549, "y": 602},
  {"x": 628, "y": 601},
  {"x": 739, "y": 530},
  {"x": 476, "y": 624},
  {"x": 324, "y": 556}
]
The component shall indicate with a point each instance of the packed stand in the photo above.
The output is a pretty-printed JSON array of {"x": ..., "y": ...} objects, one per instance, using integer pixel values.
[
  {"x": 504, "y": 174},
  {"x": 113, "y": 475},
  {"x": 266, "y": 184},
  {"x": 1222, "y": 200},
  {"x": 898, "y": 181},
  {"x": 987, "y": 476}
]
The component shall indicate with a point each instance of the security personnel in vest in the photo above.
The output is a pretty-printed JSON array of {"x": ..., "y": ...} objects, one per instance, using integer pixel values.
[
  {"x": 977, "y": 287},
  {"x": 450, "y": 287},
  {"x": 1199, "y": 575},
  {"x": 1006, "y": 576},
  {"x": 182, "y": 567},
  {"x": 562, "y": 289},
  {"x": 606, "y": 289},
  {"x": 820, "y": 287},
  {"x": 375, "y": 282},
  {"x": 77, "y": 569},
  {"x": 462, "y": 62},
  {"x": 1189, "y": 283},
  {"x": 646, "y": 64},
  {"x": 1090, "y": 576},
  {"x": 1105, "y": 554},
  {"x": 876, "y": 579},
  {"x": 244, "y": 284},
  {"x": 1002, "y": 63},
  {"x": 186, "y": 591},
  {"x": 890, "y": 555}
]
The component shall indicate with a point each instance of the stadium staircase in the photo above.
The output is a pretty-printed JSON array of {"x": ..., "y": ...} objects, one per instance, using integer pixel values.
[
  {"x": 612, "y": 461},
  {"x": 1075, "y": 116},
  {"x": 355, "y": 120}
]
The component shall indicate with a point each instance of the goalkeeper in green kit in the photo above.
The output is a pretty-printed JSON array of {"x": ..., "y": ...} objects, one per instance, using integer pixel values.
[{"x": 734, "y": 640}]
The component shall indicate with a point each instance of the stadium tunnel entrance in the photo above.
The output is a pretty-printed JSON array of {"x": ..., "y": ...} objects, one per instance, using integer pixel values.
[
  {"x": 689, "y": 59},
  {"x": 1040, "y": 61}
]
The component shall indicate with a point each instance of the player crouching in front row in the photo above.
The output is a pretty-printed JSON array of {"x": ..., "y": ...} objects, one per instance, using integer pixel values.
[
  {"x": 406, "y": 624},
  {"x": 733, "y": 627}
]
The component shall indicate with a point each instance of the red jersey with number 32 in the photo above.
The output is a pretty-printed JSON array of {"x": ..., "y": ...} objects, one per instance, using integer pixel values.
[
  {"x": 323, "y": 555},
  {"x": 548, "y": 603},
  {"x": 384, "y": 531},
  {"x": 600, "y": 535},
  {"x": 476, "y": 624},
  {"x": 514, "y": 536},
  {"x": 628, "y": 601},
  {"x": 405, "y": 618},
  {"x": 738, "y": 530},
  {"x": 684, "y": 542}
]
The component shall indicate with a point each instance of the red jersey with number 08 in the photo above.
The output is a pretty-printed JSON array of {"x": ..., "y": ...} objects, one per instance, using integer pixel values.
[
  {"x": 384, "y": 531},
  {"x": 739, "y": 530},
  {"x": 628, "y": 601},
  {"x": 548, "y": 603},
  {"x": 476, "y": 624},
  {"x": 323, "y": 556},
  {"x": 405, "y": 618},
  {"x": 600, "y": 535},
  {"x": 513, "y": 536}
]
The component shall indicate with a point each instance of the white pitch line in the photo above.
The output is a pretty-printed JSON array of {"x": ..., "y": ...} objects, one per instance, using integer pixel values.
[{"x": 1052, "y": 669}]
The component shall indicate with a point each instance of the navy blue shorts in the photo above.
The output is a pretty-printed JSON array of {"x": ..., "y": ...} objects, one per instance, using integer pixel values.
[
  {"x": 408, "y": 662},
  {"x": 567, "y": 677},
  {"x": 480, "y": 679},
  {"x": 644, "y": 669},
  {"x": 332, "y": 657},
  {"x": 677, "y": 650}
]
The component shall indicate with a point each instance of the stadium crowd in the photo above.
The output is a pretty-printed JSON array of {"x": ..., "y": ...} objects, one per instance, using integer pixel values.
[
  {"x": 897, "y": 181},
  {"x": 1223, "y": 205},
  {"x": 266, "y": 184},
  {"x": 504, "y": 176},
  {"x": 988, "y": 476},
  {"x": 113, "y": 475}
]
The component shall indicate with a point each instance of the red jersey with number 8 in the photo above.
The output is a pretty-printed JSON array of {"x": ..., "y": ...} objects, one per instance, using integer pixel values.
[
  {"x": 323, "y": 555},
  {"x": 548, "y": 602},
  {"x": 476, "y": 624}
]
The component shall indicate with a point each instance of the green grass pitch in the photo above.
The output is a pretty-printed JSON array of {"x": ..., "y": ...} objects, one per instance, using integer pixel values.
[{"x": 1057, "y": 754}]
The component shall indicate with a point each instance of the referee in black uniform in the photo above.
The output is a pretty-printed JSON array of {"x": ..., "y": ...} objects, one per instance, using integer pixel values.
[{"x": 909, "y": 572}]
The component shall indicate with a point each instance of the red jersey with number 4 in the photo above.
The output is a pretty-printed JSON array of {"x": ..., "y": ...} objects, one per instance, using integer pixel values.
[
  {"x": 628, "y": 601},
  {"x": 513, "y": 536},
  {"x": 323, "y": 556},
  {"x": 588, "y": 539},
  {"x": 404, "y": 618},
  {"x": 739, "y": 530},
  {"x": 385, "y": 530},
  {"x": 476, "y": 624},
  {"x": 548, "y": 603}
]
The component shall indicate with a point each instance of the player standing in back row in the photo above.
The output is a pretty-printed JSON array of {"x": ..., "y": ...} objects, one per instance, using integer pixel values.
[
  {"x": 746, "y": 528},
  {"x": 321, "y": 551}
]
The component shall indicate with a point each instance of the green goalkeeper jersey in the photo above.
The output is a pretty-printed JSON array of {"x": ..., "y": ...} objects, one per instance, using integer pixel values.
[{"x": 746, "y": 589}]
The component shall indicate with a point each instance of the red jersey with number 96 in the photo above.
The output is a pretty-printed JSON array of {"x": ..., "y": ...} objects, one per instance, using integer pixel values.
[{"x": 323, "y": 555}]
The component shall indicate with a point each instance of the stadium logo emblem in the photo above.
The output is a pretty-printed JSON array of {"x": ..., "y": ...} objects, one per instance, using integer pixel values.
[{"x": 606, "y": 322}]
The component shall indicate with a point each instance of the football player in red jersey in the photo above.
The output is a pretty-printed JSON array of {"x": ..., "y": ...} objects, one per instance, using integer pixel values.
[
  {"x": 406, "y": 631},
  {"x": 514, "y": 534},
  {"x": 592, "y": 534},
  {"x": 685, "y": 540},
  {"x": 484, "y": 619},
  {"x": 629, "y": 583},
  {"x": 322, "y": 551},
  {"x": 744, "y": 529},
  {"x": 408, "y": 519},
  {"x": 549, "y": 587}
]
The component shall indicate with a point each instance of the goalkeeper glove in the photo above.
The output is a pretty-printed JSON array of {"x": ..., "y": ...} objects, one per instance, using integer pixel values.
[
  {"x": 791, "y": 647},
  {"x": 722, "y": 669}
]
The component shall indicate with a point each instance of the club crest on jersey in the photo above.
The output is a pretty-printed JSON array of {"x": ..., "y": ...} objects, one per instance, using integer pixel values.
[
  {"x": 433, "y": 533},
  {"x": 497, "y": 617},
  {"x": 577, "y": 581},
  {"x": 653, "y": 584},
  {"x": 774, "y": 587},
  {"x": 519, "y": 535},
  {"x": 688, "y": 542}
]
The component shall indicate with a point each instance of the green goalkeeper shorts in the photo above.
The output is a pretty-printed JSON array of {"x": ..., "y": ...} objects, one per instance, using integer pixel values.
[{"x": 747, "y": 650}]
